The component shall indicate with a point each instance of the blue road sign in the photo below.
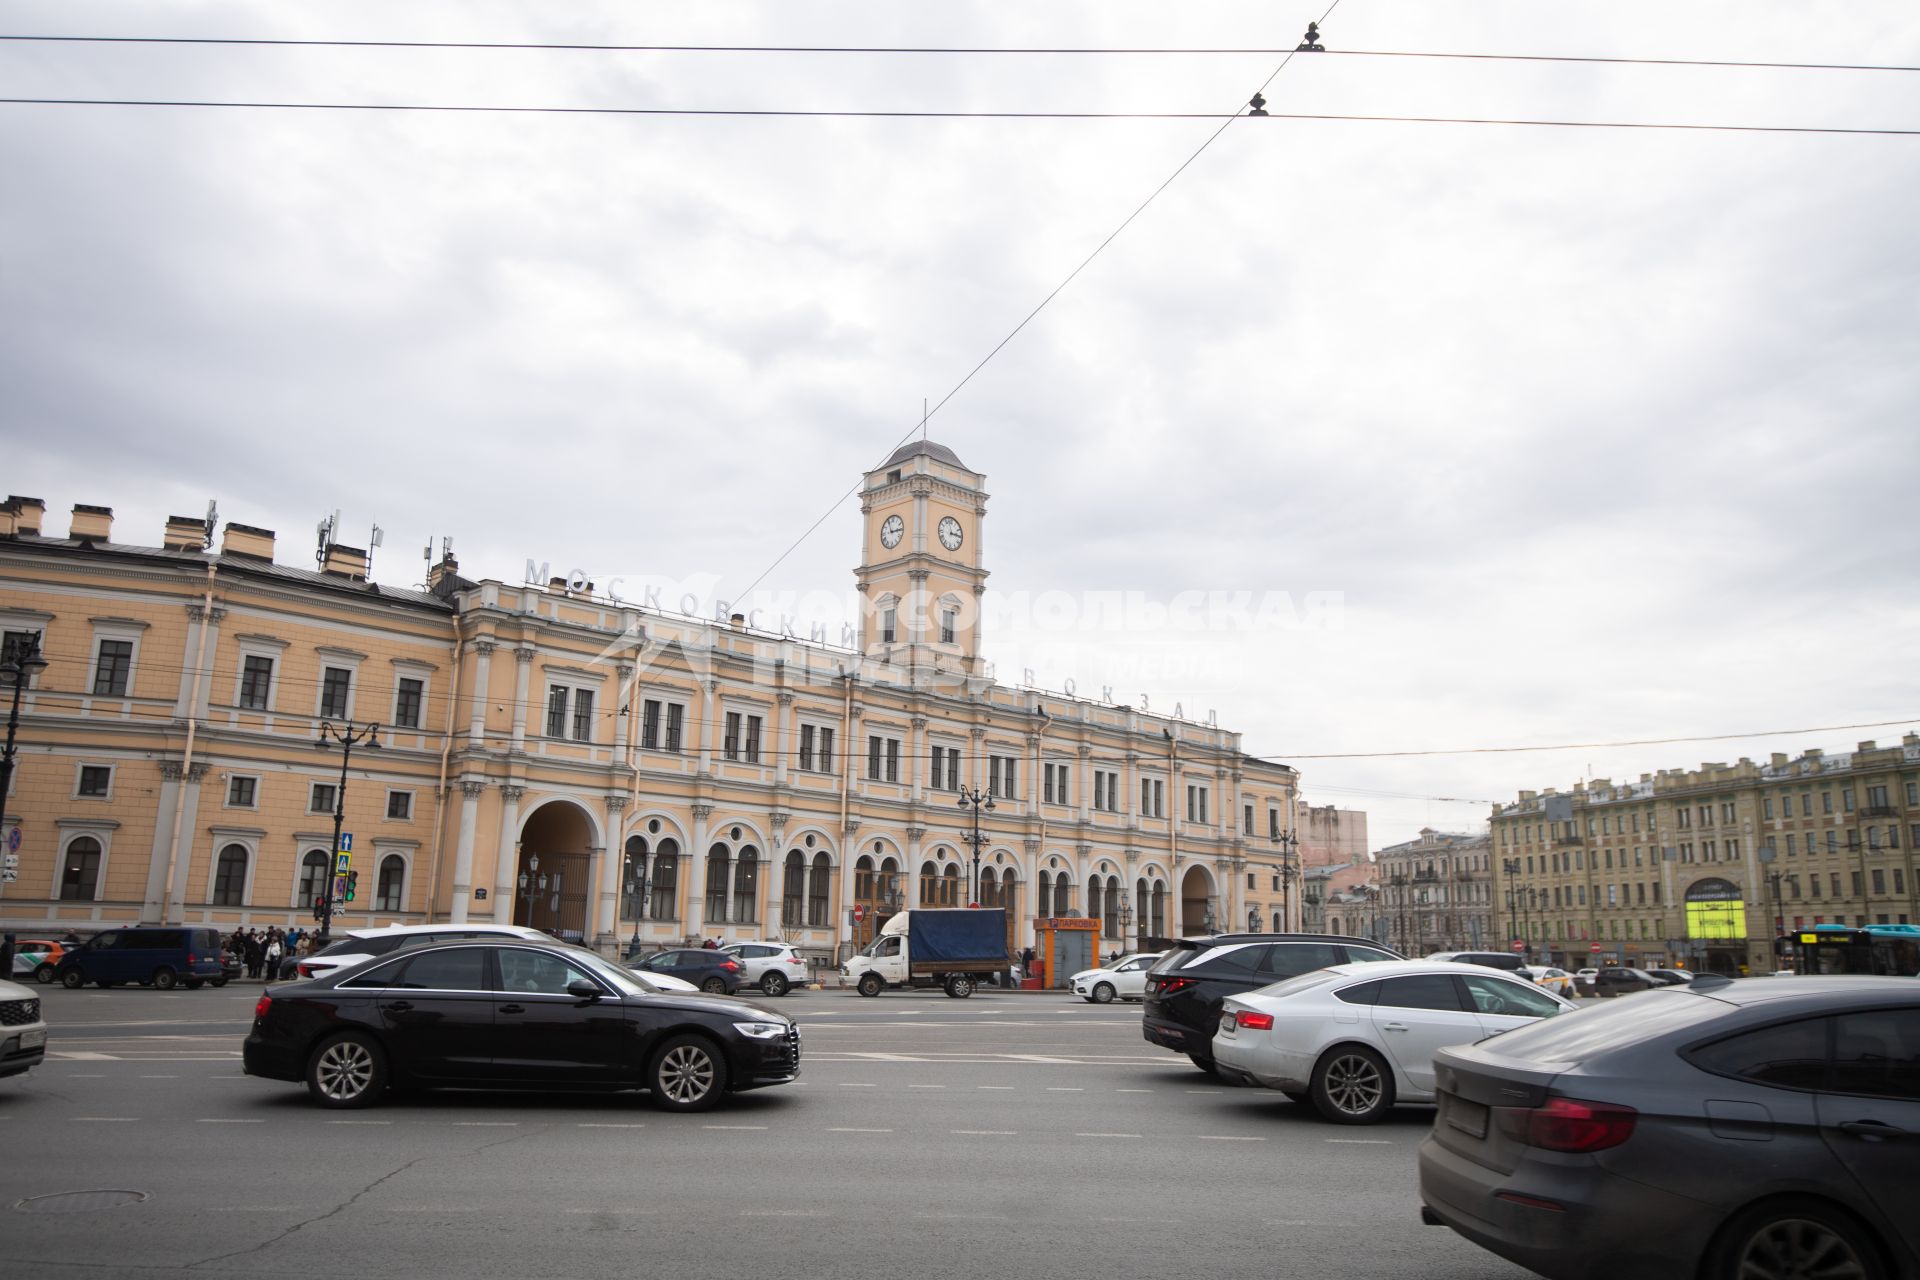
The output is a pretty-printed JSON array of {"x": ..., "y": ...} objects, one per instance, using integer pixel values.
[{"x": 346, "y": 842}]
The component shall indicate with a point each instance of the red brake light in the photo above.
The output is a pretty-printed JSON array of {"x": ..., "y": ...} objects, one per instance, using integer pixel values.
[
  {"x": 1565, "y": 1124},
  {"x": 729, "y": 965},
  {"x": 1251, "y": 1021},
  {"x": 304, "y": 970},
  {"x": 1167, "y": 986},
  {"x": 261, "y": 1006}
]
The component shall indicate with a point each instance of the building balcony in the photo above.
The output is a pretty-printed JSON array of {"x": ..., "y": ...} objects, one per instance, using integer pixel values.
[{"x": 1879, "y": 811}]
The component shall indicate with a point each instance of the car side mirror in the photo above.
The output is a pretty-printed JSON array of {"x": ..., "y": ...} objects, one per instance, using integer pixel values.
[{"x": 582, "y": 989}]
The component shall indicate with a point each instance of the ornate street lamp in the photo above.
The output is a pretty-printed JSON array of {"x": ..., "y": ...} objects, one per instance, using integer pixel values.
[
  {"x": 975, "y": 799},
  {"x": 18, "y": 669},
  {"x": 348, "y": 738},
  {"x": 1287, "y": 842}
]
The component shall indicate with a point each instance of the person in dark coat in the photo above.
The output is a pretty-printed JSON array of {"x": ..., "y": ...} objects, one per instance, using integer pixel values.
[{"x": 256, "y": 953}]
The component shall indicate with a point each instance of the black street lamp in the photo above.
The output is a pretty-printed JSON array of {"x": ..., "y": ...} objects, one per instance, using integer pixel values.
[
  {"x": 975, "y": 799},
  {"x": 638, "y": 883},
  {"x": 22, "y": 663},
  {"x": 348, "y": 738},
  {"x": 1399, "y": 883},
  {"x": 1287, "y": 842},
  {"x": 1127, "y": 941}
]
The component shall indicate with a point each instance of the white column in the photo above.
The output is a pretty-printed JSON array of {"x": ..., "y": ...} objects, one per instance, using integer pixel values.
[
  {"x": 463, "y": 850},
  {"x": 523, "y": 660},
  {"x": 1083, "y": 784},
  {"x": 608, "y": 916},
  {"x": 506, "y": 865},
  {"x": 708, "y": 731},
  {"x": 624, "y": 714},
  {"x": 918, "y": 758},
  {"x": 697, "y": 874},
  {"x": 482, "y": 690},
  {"x": 783, "y": 736}
]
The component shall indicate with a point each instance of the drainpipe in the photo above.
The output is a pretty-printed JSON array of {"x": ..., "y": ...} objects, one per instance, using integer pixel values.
[
  {"x": 186, "y": 756},
  {"x": 440, "y": 793}
]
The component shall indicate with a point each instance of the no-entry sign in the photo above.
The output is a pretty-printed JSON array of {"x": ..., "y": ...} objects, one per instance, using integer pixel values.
[
  {"x": 1595, "y": 948},
  {"x": 859, "y": 914}
]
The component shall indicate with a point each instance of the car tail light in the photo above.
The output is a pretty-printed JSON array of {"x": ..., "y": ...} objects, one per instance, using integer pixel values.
[
  {"x": 304, "y": 970},
  {"x": 261, "y": 1006},
  {"x": 729, "y": 965},
  {"x": 1247, "y": 1020},
  {"x": 1566, "y": 1124},
  {"x": 192, "y": 959},
  {"x": 793, "y": 959},
  {"x": 1167, "y": 986}
]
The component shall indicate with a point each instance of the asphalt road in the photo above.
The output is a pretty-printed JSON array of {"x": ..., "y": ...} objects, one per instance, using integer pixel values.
[{"x": 1006, "y": 1135}]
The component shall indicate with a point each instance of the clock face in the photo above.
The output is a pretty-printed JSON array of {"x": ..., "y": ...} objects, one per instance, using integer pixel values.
[
  {"x": 891, "y": 531},
  {"x": 950, "y": 533}
]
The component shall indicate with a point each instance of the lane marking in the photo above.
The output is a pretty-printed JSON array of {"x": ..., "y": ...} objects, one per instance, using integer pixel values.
[
  {"x": 1106, "y": 1135},
  {"x": 159, "y": 1077},
  {"x": 780, "y": 1213},
  {"x": 209, "y": 1120},
  {"x": 1133, "y": 1091},
  {"x": 1057, "y": 1088},
  {"x": 749, "y": 1127},
  {"x": 1209, "y": 1137},
  {"x": 926, "y": 1086},
  {"x": 1362, "y": 1142},
  {"x": 610, "y": 1126},
  {"x": 92, "y": 1076},
  {"x": 859, "y": 1131},
  {"x": 1003, "y": 1088},
  {"x": 1206, "y": 1090},
  {"x": 359, "y": 1122},
  {"x": 985, "y": 1133},
  {"x": 83, "y": 1055},
  {"x": 858, "y": 1084},
  {"x": 486, "y": 1124},
  {"x": 105, "y": 1119}
]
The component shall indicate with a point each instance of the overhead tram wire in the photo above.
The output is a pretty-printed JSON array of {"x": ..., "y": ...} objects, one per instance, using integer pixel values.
[
  {"x": 938, "y": 50},
  {"x": 1584, "y": 746},
  {"x": 794, "y": 114}
]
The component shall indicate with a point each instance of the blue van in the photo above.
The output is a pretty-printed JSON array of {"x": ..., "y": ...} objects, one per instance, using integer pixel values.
[{"x": 153, "y": 956}]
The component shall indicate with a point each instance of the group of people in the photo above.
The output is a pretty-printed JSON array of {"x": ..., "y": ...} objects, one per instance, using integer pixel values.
[{"x": 262, "y": 952}]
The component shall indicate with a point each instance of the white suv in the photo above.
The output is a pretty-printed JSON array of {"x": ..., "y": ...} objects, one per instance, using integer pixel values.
[
  {"x": 23, "y": 1031},
  {"x": 774, "y": 967},
  {"x": 357, "y": 945}
]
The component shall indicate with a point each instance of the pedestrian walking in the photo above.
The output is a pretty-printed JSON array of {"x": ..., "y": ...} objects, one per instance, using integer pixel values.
[{"x": 272, "y": 954}]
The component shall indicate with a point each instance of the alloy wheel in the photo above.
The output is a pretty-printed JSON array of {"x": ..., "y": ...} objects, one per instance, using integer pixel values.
[
  {"x": 686, "y": 1074},
  {"x": 345, "y": 1070},
  {"x": 1354, "y": 1085},
  {"x": 1800, "y": 1249}
]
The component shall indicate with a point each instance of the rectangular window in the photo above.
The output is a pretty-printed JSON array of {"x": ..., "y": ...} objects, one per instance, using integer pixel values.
[
  {"x": 1273, "y": 824},
  {"x": 730, "y": 743},
  {"x": 953, "y": 769},
  {"x": 400, "y": 805},
  {"x": 95, "y": 781},
  {"x": 806, "y": 746},
  {"x": 650, "y": 725},
  {"x": 935, "y": 774},
  {"x": 407, "y": 702},
  {"x": 676, "y": 714},
  {"x": 893, "y": 759},
  {"x": 887, "y": 620},
  {"x": 1826, "y": 802},
  {"x": 320, "y": 797},
  {"x": 111, "y": 668},
  {"x": 1766, "y": 806},
  {"x": 1790, "y": 848},
  {"x": 873, "y": 756},
  {"x": 1055, "y": 788},
  {"x": 826, "y": 749},
  {"x": 334, "y": 684},
  {"x": 256, "y": 682},
  {"x": 583, "y": 715},
  {"x": 1846, "y": 799},
  {"x": 556, "y": 711},
  {"x": 948, "y": 620},
  {"x": 1247, "y": 813},
  {"x": 1196, "y": 803},
  {"x": 1000, "y": 776},
  {"x": 241, "y": 792},
  {"x": 1876, "y": 797}
]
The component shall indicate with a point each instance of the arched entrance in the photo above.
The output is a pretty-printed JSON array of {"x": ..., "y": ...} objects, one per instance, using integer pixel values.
[
  {"x": 551, "y": 882},
  {"x": 1197, "y": 915}
]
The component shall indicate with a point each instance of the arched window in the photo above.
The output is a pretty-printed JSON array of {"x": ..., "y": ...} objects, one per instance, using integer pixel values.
[
  {"x": 989, "y": 887},
  {"x": 929, "y": 885},
  {"x": 719, "y": 864},
  {"x": 1062, "y": 895},
  {"x": 1095, "y": 901},
  {"x": 633, "y": 876},
  {"x": 230, "y": 876},
  {"x": 746, "y": 886},
  {"x": 1142, "y": 921},
  {"x": 950, "y": 886},
  {"x": 1159, "y": 909},
  {"x": 1279, "y": 923},
  {"x": 1046, "y": 893},
  {"x": 313, "y": 877},
  {"x": 893, "y": 896},
  {"x": 818, "y": 885},
  {"x": 665, "y": 899},
  {"x": 393, "y": 884},
  {"x": 863, "y": 879},
  {"x": 80, "y": 871},
  {"x": 1113, "y": 906},
  {"x": 793, "y": 889}
]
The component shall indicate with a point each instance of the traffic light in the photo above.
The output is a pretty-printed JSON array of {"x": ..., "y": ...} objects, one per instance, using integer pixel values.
[{"x": 353, "y": 882}]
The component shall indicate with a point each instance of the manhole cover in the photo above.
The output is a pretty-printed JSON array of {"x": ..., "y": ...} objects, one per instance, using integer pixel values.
[{"x": 79, "y": 1201}]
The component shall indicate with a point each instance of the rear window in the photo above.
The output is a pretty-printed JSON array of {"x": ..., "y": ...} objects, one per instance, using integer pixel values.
[
  {"x": 1294, "y": 986},
  {"x": 1612, "y": 1024},
  {"x": 1289, "y": 959},
  {"x": 1242, "y": 958}
]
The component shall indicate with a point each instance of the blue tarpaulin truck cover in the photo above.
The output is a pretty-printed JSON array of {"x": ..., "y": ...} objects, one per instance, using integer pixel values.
[{"x": 963, "y": 935}]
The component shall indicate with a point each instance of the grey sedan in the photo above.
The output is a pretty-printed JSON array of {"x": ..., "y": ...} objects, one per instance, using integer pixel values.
[{"x": 1714, "y": 1131}]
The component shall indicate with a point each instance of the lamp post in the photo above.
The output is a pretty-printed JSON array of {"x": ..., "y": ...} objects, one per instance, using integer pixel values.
[
  {"x": 1511, "y": 868},
  {"x": 18, "y": 670},
  {"x": 1286, "y": 843},
  {"x": 1127, "y": 942},
  {"x": 638, "y": 883},
  {"x": 1399, "y": 883},
  {"x": 348, "y": 738},
  {"x": 976, "y": 799}
]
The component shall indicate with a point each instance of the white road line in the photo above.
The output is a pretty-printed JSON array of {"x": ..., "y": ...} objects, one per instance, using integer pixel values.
[
  {"x": 926, "y": 1086},
  {"x": 734, "y": 1126},
  {"x": 610, "y": 1126},
  {"x": 1004, "y": 1088},
  {"x": 1210, "y": 1137},
  {"x": 985, "y": 1133},
  {"x": 1057, "y": 1088},
  {"x": 159, "y": 1077},
  {"x": 859, "y": 1131},
  {"x": 83, "y": 1055},
  {"x": 1206, "y": 1090},
  {"x": 780, "y": 1213},
  {"x": 93, "y": 1076},
  {"x": 359, "y": 1122},
  {"x": 246, "y": 1208},
  {"x": 105, "y": 1119},
  {"x": 858, "y": 1084},
  {"x": 1362, "y": 1142},
  {"x": 486, "y": 1124},
  {"x": 207, "y": 1120},
  {"x": 1106, "y": 1135},
  {"x": 1133, "y": 1091}
]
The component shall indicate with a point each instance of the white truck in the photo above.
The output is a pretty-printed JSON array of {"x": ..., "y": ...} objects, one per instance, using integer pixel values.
[{"x": 952, "y": 948}]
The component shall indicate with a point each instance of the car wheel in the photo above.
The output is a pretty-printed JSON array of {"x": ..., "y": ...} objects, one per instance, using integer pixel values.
[
  {"x": 1103, "y": 993},
  {"x": 347, "y": 1070},
  {"x": 870, "y": 985},
  {"x": 43, "y": 975},
  {"x": 959, "y": 986},
  {"x": 1793, "y": 1240},
  {"x": 73, "y": 980},
  {"x": 774, "y": 983},
  {"x": 688, "y": 1074},
  {"x": 1205, "y": 1064},
  {"x": 714, "y": 986},
  {"x": 164, "y": 978},
  {"x": 1352, "y": 1085}
]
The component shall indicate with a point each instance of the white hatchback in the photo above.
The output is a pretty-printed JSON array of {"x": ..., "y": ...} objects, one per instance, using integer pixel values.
[
  {"x": 1354, "y": 1039},
  {"x": 1125, "y": 979}
]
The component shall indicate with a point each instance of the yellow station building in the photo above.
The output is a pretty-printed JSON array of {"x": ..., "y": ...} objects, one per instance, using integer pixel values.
[{"x": 586, "y": 765}]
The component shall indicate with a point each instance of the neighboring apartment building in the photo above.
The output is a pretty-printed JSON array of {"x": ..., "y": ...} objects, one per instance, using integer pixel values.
[
  {"x": 1435, "y": 893},
  {"x": 585, "y": 765},
  {"x": 1331, "y": 837},
  {"x": 1709, "y": 867}
]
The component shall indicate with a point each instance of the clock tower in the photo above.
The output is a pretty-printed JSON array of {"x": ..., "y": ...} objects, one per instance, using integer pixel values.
[{"x": 920, "y": 573}]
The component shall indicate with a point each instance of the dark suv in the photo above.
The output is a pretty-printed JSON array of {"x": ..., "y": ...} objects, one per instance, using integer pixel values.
[
  {"x": 714, "y": 972},
  {"x": 1187, "y": 984}
]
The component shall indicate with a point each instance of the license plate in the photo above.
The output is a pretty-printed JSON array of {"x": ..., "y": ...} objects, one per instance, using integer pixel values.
[
  {"x": 1467, "y": 1117},
  {"x": 33, "y": 1039},
  {"x": 1228, "y": 1022}
]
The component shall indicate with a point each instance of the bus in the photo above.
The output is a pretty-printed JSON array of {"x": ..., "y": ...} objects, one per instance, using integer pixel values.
[{"x": 1892, "y": 949}]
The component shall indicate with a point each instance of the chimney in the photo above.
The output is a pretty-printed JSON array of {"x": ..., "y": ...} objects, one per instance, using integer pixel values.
[
  {"x": 1865, "y": 746},
  {"x": 245, "y": 540},
  {"x": 557, "y": 586},
  {"x": 27, "y": 515},
  {"x": 1779, "y": 759},
  {"x": 185, "y": 533},
  {"x": 439, "y": 573},
  {"x": 738, "y": 621},
  {"x": 344, "y": 562},
  {"x": 92, "y": 523}
]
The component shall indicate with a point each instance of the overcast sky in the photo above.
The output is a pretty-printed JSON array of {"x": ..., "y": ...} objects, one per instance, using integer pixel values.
[{"x": 1598, "y": 434}]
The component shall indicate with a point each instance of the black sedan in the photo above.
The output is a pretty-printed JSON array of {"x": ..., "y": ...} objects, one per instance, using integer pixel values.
[
  {"x": 505, "y": 1014},
  {"x": 1721, "y": 1130},
  {"x": 712, "y": 971}
]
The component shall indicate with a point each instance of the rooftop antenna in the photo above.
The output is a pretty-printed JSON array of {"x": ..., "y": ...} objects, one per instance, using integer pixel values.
[
  {"x": 374, "y": 539},
  {"x": 923, "y": 419},
  {"x": 213, "y": 518},
  {"x": 323, "y": 534}
]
